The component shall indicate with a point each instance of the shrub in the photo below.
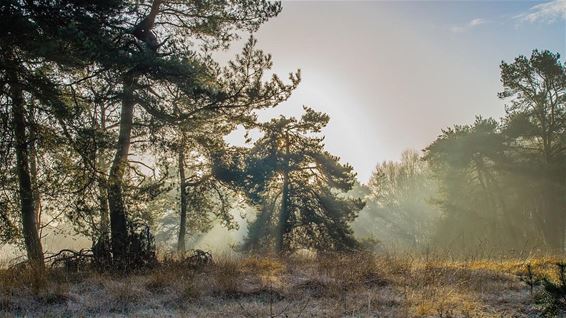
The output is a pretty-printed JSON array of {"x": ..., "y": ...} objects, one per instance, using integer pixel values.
[{"x": 553, "y": 296}]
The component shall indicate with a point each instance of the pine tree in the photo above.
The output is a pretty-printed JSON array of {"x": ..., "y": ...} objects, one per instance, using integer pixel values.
[{"x": 300, "y": 188}]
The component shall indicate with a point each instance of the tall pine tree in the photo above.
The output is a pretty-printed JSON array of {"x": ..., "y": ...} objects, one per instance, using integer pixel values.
[{"x": 299, "y": 187}]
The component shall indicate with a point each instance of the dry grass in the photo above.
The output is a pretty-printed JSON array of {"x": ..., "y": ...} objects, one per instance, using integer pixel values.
[{"x": 332, "y": 285}]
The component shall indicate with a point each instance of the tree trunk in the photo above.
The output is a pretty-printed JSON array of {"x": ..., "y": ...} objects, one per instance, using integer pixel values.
[
  {"x": 34, "y": 181},
  {"x": 102, "y": 167},
  {"x": 282, "y": 226},
  {"x": 31, "y": 236},
  {"x": 118, "y": 219},
  {"x": 102, "y": 179},
  {"x": 183, "y": 221},
  {"x": 103, "y": 201},
  {"x": 283, "y": 215}
]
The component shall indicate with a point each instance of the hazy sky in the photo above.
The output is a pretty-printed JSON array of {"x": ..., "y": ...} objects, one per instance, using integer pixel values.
[{"x": 391, "y": 74}]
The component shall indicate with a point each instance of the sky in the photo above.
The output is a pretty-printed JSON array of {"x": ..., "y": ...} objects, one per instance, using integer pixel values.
[{"x": 392, "y": 74}]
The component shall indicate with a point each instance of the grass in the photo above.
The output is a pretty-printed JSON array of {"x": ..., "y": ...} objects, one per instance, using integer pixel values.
[{"x": 331, "y": 285}]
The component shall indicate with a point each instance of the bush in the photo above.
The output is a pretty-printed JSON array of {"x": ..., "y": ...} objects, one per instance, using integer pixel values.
[{"x": 553, "y": 296}]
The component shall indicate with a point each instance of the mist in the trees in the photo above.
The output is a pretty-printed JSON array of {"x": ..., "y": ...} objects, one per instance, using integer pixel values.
[{"x": 400, "y": 211}]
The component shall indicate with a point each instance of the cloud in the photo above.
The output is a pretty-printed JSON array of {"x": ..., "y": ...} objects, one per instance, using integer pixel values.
[
  {"x": 545, "y": 12},
  {"x": 476, "y": 22},
  {"x": 468, "y": 26}
]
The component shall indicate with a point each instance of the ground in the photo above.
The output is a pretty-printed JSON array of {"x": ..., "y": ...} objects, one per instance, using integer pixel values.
[{"x": 336, "y": 285}]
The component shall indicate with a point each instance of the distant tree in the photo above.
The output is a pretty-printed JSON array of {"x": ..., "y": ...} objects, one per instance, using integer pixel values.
[
  {"x": 466, "y": 161},
  {"x": 399, "y": 206},
  {"x": 192, "y": 200},
  {"x": 196, "y": 199},
  {"x": 299, "y": 187}
]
